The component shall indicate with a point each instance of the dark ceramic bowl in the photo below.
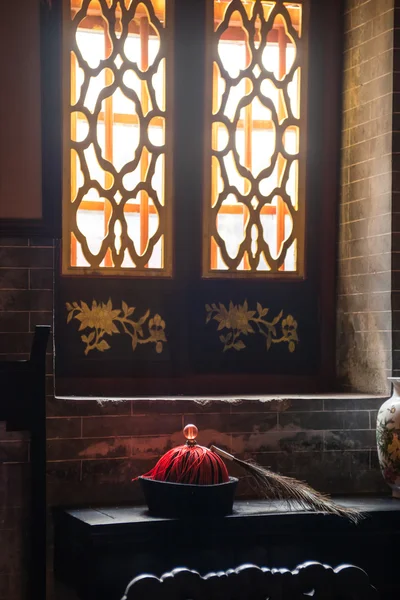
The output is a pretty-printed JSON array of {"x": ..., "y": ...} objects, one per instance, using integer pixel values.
[{"x": 166, "y": 499}]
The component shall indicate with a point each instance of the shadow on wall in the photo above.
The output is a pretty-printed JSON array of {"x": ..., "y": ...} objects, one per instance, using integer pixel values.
[{"x": 363, "y": 360}]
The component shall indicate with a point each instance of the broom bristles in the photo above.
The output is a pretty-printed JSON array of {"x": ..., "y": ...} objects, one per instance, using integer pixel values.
[{"x": 292, "y": 491}]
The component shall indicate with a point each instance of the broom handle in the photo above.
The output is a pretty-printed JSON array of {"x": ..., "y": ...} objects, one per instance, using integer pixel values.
[{"x": 222, "y": 453}]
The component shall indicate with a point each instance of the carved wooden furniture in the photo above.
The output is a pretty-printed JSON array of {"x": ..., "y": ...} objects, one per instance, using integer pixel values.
[
  {"x": 249, "y": 582},
  {"x": 97, "y": 551},
  {"x": 23, "y": 407}
]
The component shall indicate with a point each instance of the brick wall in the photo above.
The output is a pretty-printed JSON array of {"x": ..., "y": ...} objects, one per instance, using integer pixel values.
[
  {"x": 95, "y": 449},
  {"x": 364, "y": 302},
  {"x": 396, "y": 195},
  {"x": 26, "y": 300}
]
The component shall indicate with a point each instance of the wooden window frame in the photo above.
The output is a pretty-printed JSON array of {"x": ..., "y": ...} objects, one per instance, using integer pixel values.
[
  {"x": 324, "y": 106},
  {"x": 69, "y": 242},
  {"x": 210, "y": 248}
]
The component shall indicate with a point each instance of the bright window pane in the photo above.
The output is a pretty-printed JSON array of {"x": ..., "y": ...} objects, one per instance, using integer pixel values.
[
  {"x": 250, "y": 228},
  {"x": 111, "y": 150}
]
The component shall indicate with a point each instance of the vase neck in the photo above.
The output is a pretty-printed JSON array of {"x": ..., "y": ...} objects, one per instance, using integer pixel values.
[{"x": 396, "y": 388}]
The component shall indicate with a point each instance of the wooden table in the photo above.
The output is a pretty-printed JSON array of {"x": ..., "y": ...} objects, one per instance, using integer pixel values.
[{"x": 98, "y": 550}]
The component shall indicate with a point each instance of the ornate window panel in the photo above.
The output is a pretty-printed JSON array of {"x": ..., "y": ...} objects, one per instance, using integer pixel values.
[
  {"x": 117, "y": 198},
  {"x": 254, "y": 211}
]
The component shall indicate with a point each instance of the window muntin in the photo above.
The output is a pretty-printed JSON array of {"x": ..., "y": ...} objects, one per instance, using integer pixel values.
[
  {"x": 117, "y": 204},
  {"x": 254, "y": 201}
]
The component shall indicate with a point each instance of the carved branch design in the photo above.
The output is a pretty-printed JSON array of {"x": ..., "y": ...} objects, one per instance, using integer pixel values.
[
  {"x": 239, "y": 320},
  {"x": 103, "y": 320}
]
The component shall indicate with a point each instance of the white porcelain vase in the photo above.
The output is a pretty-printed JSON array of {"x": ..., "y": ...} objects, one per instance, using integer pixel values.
[{"x": 388, "y": 438}]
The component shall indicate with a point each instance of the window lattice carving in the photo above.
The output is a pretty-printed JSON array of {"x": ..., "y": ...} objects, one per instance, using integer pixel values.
[
  {"x": 254, "y": 205},
  {"x": 116, "y": 205}
]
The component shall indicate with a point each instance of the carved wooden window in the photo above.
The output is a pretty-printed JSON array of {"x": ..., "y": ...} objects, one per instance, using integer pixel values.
[
  {"x": 254, "y": 213},
  {"x": 117, "y": 205},
  {"x": 253, "y": 81}
]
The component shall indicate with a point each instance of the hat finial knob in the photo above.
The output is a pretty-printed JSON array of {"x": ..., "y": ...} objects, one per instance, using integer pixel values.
[{"x": 190, "y": 432}]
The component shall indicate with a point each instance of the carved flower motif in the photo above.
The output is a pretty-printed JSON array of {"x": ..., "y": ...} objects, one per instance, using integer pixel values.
[
  {"x": 156, "y": 330},
  {"x": 242, "y": 321},
  {"x": 224, "y": 317},
  {"x": 240, "y": 317},
  {"x": 236, "y": 317},
  {"x": 100, "y": 316},
  {"x": 289, "y": 331},
  {"x": 103, "y": 320},
  {"x": 289, "y": 325}
]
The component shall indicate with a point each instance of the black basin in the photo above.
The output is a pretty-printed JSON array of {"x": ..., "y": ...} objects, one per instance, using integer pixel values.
[{"x": 166, "y": 499}]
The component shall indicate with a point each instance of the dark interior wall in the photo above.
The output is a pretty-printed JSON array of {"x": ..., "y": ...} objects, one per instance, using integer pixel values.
[
  {"x": 26, "y": 300},
  {"x": 20, "y": 156}
]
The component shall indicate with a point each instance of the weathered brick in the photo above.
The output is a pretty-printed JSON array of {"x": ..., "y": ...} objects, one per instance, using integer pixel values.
[
  {"x": 14, "y": 321},
  {"x": 359, "y": 35},
  {"x": 352, "y": 403},
  {"x": 180, "y": 406},
  {"x": 86, "y": 449},
  {"x": 362, "y": 14},
  {"x": 12, "y": 559},
  {"x": 383, "y": 22},
  {"x": 14, "y": 483},
  {"x": 379, "y": 301},
  {"x": 64, "y": 407},
  {"x": 349, "y": 440},
  {"x": 41, "y": 279},
  {"x": 42, "y": 242},
  {"x": 243, "y": 422},
  {"x": 40, "y": 318},
  {"x": 26, "y": 257},
  {"x": 15, "y": 342},
  {"x": 152, "y": 447},
  {"x": 13, "y": 279},
  {"x": 14, "y": 451},
  {"x": 130, "y": 426},
  {"x": 63, "y": 471},
  {"x": 7, "y": 242},
  {"x": 11, "y": 300},
  {"x": 66, "y": 427},
  {"x": 357, "y": 116},
  {"x": 116, "y": 471},
  {"x": 277, "y": 441},
  {"x": 281, "y": 404},
  {"x": 325, "y": 420},
  {"x": 358, "y": 266}
]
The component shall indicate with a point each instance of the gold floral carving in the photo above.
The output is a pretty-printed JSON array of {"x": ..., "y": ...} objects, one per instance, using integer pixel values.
[
  {"x": 239, "y": 320},
  {"x": 104, "y": 320}
]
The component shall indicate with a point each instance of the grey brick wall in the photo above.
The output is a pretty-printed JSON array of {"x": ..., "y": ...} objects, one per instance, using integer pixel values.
[
  {"x": 364, "y": 338},
  {"x": 26, "y": 299}
]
